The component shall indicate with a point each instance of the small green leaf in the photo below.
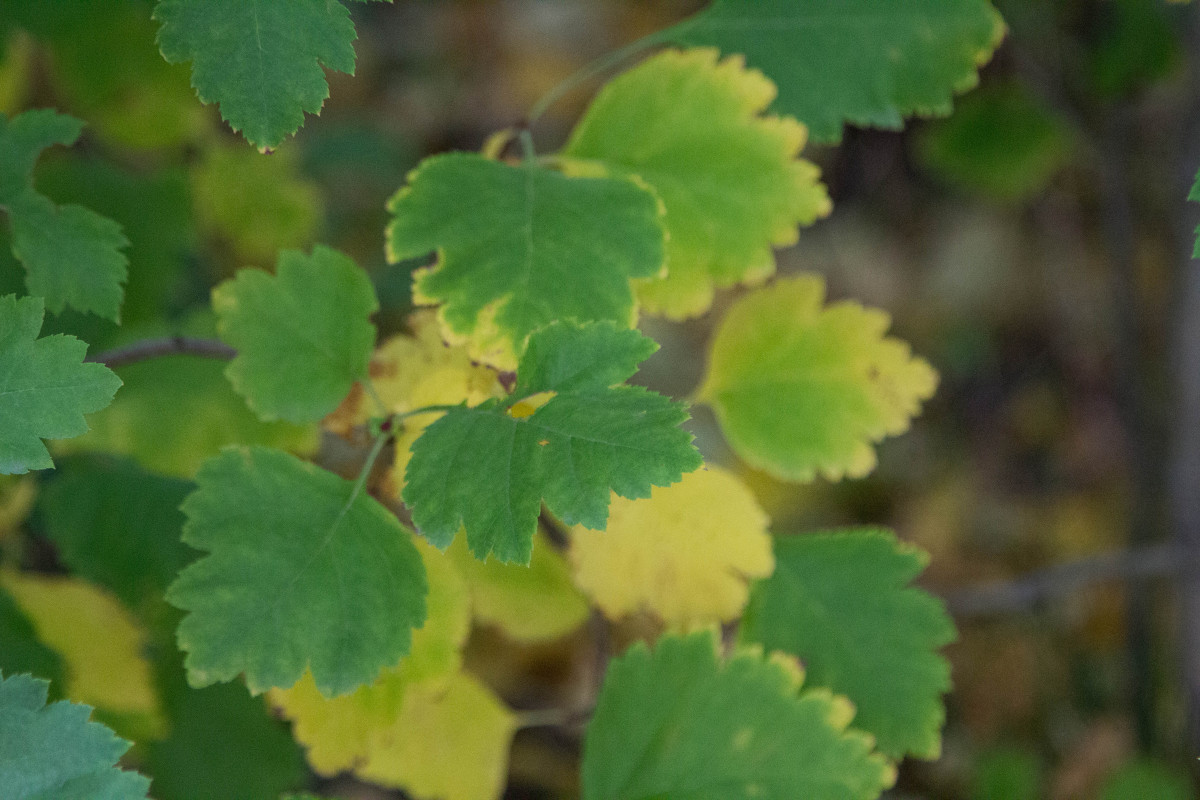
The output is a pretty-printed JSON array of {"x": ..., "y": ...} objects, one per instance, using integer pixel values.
[
  {"x": 72, "y": 255},
  {"x": 303, "y": 336},
  {"x": 302, "y": 573},
  {"x": 261, "y": 61},
  {"x": 45, "y": 388},
  {"x": 863, "y": 62},
  {"x": 841, "y": 603},
  {"x": 520, "y": 247},
  {"x": 54, "y": 753},
  {"x": 691, "y": 128},
  {"x": 676, "y": 722},
  {"x": 489, "y": 467}
]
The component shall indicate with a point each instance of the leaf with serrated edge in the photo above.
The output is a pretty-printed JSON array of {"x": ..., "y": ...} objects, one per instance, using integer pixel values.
[
  {"x": 301, "y": 574},
  {"x": 260, "y": 61},
  {"x": 337, "y": 731},
  {"x": 52, "y": 752},
  {"x": 730, "y": 182},
  {"x": 685, "y": 553},
  {"x": 842, "y": 604},
  {"x": 303, "y": 336},
  {"x": 860, "y": 62},
  {"x": 488, "y": 468},
  {"x": 521, "y": 246},
  {"x": 45, "y": 388},
  {"x": 801, "y": 389},
  {"x": 677, "y": 722},
  {"x": 72, "y": 255}
]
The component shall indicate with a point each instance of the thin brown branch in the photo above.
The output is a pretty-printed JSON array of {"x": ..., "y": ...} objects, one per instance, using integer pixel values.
[{"x": 166, "y": 346}]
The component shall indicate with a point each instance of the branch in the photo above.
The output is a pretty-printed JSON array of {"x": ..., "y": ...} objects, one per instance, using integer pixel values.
[
  {"x": 167, "y": 346},
  {"x": 1031, "y": 591}
]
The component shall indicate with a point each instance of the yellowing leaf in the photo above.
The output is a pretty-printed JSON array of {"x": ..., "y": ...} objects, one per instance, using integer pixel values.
[
  {"x": 17, "y": 495},
  {"x": 730, "y": 182},
  {"x": 684, "y": 553},
  {"x": 337, "y": 732},
  {"x": 529, "y": 604},
  {"x": 449, "y": 743},
  {"x": 101, "y": 645},
  {"x": 800, "y": 388}
]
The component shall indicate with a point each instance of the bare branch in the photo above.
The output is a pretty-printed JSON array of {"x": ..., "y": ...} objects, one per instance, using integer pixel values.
[{"x": 167, "y": 346}]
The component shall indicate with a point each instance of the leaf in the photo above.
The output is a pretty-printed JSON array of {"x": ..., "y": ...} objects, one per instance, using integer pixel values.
[
  {"x": 174, "y": 413},
  {"x": 303, "y": 572},
  {"x": 676, "y": 722},
  {"x": 22, "y": 651},
  {"x": 1006, "y": 773},
  {"x": 520, "y": 247},
  {"x": 853, "y": 61},
  {"x": 256, "y": 204},
  {"x": 800, "y": 389},
  {"x": 450, "y": 742},
  {"x": 729, "y": 179},
  {"x": 685, "y": 553},
  {"x": 45, "y": 388},
  {"x": 102, "y": 646},
  {"x": 303, "y": 335},
  {"x": 339, "y": 731},
  {"x": 488, "y": 469},
  {"x": 1143, "y": 779},
  {"x": 54, "y": 753},
  {"x": 72, "y": 255},
  {"x": 261, "y": 61},
  {"x": 118, "y": 526},
  {"x": 528, "y": 603},
  {"x": 841, "y": 603}
]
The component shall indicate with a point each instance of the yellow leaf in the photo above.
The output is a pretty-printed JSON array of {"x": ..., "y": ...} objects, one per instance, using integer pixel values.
[
  {"x": 337, "y": 731},
  {"x": 101, "y": 646},
  {"x": 449, "y": 743},
  {"x": 17, "y": 495},
  {"x": 528, "y": 603},
  {"x": 685, "y": 553}
]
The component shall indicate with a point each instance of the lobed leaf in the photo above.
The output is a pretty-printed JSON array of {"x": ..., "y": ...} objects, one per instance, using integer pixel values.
[
  {"x": 45, "y": 388},
  {"x": 520, "y": 247},
  {"x": 52, "y": 752},
  {"x": 684, "y": 553},
  {"x": 72, "y": 255},
  {"x": 841, "y": 603},
  {"x": 303, "y": 336},
  {"x": 731, "y": 186},
  {"x": 488, "y": 468},
  {"x": 860, "y": 62},
  {"x": 303, "y": 572},
  {"x": 676, "y": 722},
  {"x": 800, "y": 389}
]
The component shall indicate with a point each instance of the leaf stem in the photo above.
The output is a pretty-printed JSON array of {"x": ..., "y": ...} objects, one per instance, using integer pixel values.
[
  {"x": 527, "y": 148},
  {"x": 373, "y": 393},
  {"x": 591, "y": 70},
  {"x": 368, "y": 465}
]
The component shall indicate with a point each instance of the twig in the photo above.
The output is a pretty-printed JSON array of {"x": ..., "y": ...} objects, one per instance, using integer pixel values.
[
  {"x": 167, "y": 346},
  {"x": 1029, "y": 592}
]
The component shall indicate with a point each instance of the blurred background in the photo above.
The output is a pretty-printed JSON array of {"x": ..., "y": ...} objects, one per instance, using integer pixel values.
[{"x": 1035, "y": 247}]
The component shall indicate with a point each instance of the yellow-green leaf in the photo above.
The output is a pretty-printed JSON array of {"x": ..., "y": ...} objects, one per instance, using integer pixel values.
[
  {"x": 684, "y": 553},
  {"x": 692, "y": 128},
  {"x": 801, "y": 388}
]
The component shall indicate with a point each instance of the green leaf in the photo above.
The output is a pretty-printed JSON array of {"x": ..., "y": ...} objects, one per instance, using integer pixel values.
[
  {"x": 45, "y": 388},
  {"x": 304, "y": 572},
  {"x": 801, "y": 389},
  {"x": 22, "y": 651},
  {"x": 1006, "y": 773},
  {"x": 676, "y": 722},
  {"x": 303, "y": 335},
  {"x": 520, "y": 247},
  {"x": 72, "y": 255},
  {"x": 1144, "y": 779},
  {"x": 489, "y": 467},
  {"x": 729, "y": 179},
  {"x": 1000, "y": 141},
  {"x": 261, "y": 61},
  {"x": 841, "y": 603},
  {"x": 54, "y": 753},
  {"x": 863, "y": 62},
  {"x": 117, "y": 525}
]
